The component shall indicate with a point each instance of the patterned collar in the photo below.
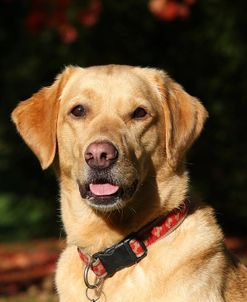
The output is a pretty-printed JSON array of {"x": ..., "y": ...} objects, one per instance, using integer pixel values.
[{"x": 133, "y": 248}]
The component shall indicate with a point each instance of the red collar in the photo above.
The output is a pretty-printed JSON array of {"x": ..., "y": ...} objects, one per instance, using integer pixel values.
[{"x": 133, "y": 248}]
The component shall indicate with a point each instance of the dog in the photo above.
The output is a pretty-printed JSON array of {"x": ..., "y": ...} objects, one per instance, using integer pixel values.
[{"x": 117, "y": 137}]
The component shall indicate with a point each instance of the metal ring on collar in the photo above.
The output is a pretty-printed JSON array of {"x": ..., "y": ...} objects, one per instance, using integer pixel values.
[
  {"x": 88, "y": 285},
  {"x": 92, "y": 299}
]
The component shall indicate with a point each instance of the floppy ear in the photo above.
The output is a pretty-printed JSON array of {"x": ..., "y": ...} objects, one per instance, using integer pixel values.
[
  {"x": 36, "y": 120},
  {"x": 184, "y": 115},
  {"x": 184, "y": 118}
]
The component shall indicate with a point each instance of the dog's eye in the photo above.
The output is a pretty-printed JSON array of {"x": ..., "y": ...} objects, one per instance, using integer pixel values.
[
  {"x": 78, "y": 111},
  {"x": 139, "y": 113}
]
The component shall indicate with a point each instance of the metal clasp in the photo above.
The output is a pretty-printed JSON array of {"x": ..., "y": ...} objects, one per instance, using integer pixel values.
[
  {"x": 99, "y": 281},
  {"x": 92, "y": 299},
  {"x": 94, "y": 286}
]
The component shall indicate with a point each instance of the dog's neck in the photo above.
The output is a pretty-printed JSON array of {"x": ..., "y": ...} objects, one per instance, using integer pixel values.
[{"x": 95, "y": 231}]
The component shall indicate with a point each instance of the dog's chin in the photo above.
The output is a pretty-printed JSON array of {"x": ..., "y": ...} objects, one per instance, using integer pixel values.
[{"x": 106, "y": 197}]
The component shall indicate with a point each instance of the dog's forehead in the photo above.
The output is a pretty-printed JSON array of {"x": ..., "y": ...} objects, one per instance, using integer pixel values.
[{"x": 110, "y": 80}]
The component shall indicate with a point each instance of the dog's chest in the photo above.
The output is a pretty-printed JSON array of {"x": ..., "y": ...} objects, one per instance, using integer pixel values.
[{"x": 146, "y": 281}]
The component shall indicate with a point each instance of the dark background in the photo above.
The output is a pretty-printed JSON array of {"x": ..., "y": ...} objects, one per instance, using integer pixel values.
[{"x": 201, "y": 44}]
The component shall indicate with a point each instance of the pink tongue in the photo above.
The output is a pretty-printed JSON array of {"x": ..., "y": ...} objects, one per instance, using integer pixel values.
[{"x": 103, "y": 189}]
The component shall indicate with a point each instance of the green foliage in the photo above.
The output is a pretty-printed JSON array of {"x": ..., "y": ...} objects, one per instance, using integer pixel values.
[{"x": 206, "y": 53}]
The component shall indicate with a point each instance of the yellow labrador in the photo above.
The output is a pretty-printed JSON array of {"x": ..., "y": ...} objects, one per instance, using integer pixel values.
[{"x": 117, "y": 136}]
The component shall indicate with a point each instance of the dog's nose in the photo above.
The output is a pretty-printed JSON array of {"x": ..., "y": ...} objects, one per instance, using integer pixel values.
[{"x": 101, "y": 155}]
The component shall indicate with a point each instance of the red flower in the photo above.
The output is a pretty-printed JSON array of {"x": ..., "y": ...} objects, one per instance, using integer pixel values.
[
  {"x": 170, "y": 10},
  {"x": 68, "y": 33},
  {"x": 90, "y": 16}
]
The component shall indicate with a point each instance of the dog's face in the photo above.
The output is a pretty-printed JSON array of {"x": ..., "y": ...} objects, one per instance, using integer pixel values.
[
  {"x": 108, "y": 126},
  {"x": 111, "y": 127}
]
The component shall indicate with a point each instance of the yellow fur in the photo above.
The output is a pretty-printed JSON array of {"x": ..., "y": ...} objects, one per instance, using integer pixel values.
[{"x": 189, "y": 265}]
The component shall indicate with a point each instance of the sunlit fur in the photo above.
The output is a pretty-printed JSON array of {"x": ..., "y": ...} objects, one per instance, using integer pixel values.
[{"x": 189, "y": 265}]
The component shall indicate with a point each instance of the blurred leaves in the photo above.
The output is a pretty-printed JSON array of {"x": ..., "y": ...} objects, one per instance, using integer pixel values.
[
  {"x": 29, "y": 265},
  {"x": 206, "y": 52}
]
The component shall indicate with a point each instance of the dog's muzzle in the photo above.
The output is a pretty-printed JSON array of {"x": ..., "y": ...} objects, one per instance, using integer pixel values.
[
  {"x": 104, "y": 192},
  {"x": 105, "y": 187}
]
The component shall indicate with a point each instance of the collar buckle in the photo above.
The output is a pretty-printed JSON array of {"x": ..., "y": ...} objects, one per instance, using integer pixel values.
[{"x": 121, "y": 255}]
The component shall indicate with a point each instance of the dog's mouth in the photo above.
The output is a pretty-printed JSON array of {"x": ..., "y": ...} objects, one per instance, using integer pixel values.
[
  {"x": 103, "y": 189},
  {"x": 106, "y": 195}
]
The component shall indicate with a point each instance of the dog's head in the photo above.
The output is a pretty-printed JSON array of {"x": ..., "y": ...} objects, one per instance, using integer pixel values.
[{"x": 111, "y": 127}]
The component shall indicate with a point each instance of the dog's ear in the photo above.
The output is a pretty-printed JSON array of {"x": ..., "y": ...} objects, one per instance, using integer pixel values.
[
  {"x": 36, "y": 119},
  {"x": 184, "y": 119},
  {"x": 184, "y": 115}
]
